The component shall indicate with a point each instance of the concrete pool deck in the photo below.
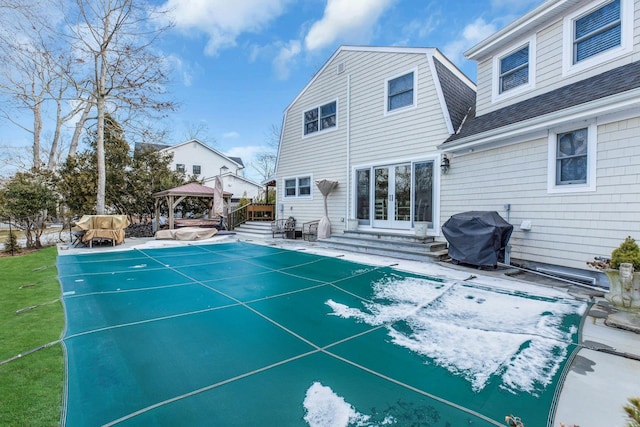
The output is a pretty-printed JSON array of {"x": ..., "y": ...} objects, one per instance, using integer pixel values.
[{"x": 603, "y": 375}]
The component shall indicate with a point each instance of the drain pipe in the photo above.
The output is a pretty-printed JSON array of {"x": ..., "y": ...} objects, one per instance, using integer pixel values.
[{"x": 507, "y": 250}]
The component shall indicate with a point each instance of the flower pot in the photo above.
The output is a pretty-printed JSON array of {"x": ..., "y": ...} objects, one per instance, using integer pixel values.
[
  {"x": 421, "y": 228},
  {"x": 624, "y": 290}
]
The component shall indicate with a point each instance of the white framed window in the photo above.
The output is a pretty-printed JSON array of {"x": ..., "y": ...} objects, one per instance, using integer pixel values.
[
  {"x": 596, "y": 34},
  {"x": 320, "y": 118},
  {"x": 400, "y": 92},
  {"x": 297, "y": 187},
  {"x": 572, "y": 160},
  {"x": 180, "y": 167},
  {"x": 514, "y": 70},
  {"x": 197, "y": 169}
]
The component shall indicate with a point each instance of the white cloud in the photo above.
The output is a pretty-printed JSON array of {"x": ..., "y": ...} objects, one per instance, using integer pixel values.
[
  {"x": 182, "y": 69},
  {"x": 232, "y": 134},
  {"x": 282, "y": 62},
  {"x": 472, "y": 34},
  {"x": 223, "y": 20},
  {"x": 345, "y": 19}
]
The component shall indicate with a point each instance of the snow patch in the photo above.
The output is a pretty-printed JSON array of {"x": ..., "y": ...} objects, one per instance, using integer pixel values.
[{"x": 476, "y": 333}]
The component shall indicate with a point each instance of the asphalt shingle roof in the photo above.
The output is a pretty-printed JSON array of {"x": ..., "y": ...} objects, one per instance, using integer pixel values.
[
  {"x": 609, "y": 83},
  {"x": 458, "y": 96}
]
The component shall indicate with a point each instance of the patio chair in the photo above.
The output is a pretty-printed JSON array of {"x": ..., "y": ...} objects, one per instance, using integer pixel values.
[
  {"x": 310, "y": 230},
  {"x": 284, "y": 227}
]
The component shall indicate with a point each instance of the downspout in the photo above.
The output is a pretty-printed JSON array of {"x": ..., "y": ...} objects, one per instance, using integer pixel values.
[{"x": 348, "y": 183}]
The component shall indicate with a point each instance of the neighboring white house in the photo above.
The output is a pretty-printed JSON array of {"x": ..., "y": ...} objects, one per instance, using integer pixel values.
[
  {"x": 372, "y": 118},
  {"x": 195, "y": 158},
  {"x": 555, "y": 135}
]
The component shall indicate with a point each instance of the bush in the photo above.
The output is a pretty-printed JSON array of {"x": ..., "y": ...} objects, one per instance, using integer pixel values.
[
  {"x": 633, "y": 411},
  {"x": 628, "y": 251},
  {"x": 11, "y": 244}
]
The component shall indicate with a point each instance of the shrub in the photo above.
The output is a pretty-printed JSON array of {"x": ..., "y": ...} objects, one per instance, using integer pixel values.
[
  {"x": 628, "y": 251},
  {"x": 633, "y": 411},
  {"x": 11, "y": 244}
]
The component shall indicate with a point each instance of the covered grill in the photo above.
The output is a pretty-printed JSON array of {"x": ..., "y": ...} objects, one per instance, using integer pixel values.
[{"x": 477, "y": 237}]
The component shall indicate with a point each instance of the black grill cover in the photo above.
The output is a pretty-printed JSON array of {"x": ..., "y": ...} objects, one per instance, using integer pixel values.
[{"x": 477, "y": 237}]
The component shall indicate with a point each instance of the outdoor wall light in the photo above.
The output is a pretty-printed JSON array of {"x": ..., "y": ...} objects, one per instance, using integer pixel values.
[{"x": 444, "y": 166}]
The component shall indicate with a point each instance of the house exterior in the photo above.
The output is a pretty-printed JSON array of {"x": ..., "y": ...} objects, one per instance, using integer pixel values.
[
  {"x": 372, "y": 118},
  {"x": 553, "y": 143},
  {"x": 195, "y": 158}
]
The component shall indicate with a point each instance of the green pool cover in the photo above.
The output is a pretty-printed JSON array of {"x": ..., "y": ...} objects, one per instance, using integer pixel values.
[{"x": 236, "y": 334}]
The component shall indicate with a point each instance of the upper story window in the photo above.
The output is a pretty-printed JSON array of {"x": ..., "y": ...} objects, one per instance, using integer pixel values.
[
  {"x": 514, "y": 69},
  {"x": 572, "y": 158},
  {"x": 320, "y": 118},
  {"x": 598, "y": 33},
  {"x": 180, "y": 167},
  {"x": 400, "y": 92},
  {"x": 197, "y": 169}
]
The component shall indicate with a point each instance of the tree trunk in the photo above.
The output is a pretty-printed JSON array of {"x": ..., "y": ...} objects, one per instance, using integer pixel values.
[
  {"x": 78, "y": 130},
  {"x": 102, "y": 173},
  {"x": 37, "y": 130}
]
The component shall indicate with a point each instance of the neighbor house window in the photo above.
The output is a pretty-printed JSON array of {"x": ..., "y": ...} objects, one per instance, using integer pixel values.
[
  {"x": 180, "y": 167},
  {"x": 572, "y": 158},
  {"x": 196, "y": 169},
  {"x": 320, "y": 118},
  {"x": 400, "y": 92},
  {"x": 297, "y": 187},
  {"x": 514, "y": 69},
  {"x": 597, "y": 31}
]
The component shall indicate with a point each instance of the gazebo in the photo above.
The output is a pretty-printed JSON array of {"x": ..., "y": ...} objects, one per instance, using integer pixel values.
[{"x": 215, "y": 198}]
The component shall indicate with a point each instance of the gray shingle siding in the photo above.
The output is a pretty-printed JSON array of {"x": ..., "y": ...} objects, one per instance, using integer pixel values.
[
  {"x": 458, "y": 96},
  {"x": 612, "y": 82}
]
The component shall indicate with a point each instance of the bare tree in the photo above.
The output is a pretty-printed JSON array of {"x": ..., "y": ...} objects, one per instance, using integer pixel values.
[
  {"x": 34, "y": 77},
  {"x": 114, "y": 39},
  {"x": 265, "y": 162}
]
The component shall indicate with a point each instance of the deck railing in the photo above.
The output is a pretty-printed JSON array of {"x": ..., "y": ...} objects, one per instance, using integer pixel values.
[{"x": 251, "y": 212}]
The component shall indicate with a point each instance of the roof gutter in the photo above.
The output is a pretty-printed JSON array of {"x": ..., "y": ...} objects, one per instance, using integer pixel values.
[{"x": 612, "y": 104}]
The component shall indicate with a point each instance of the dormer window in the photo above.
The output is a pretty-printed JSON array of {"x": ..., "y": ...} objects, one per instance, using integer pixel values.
[
  {"x": 514, "y": 69},
  {"x": 597, "y": 32}
]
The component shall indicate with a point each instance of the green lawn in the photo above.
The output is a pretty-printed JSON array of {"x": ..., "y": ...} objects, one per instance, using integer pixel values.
[{"x": 30, "y": 386}]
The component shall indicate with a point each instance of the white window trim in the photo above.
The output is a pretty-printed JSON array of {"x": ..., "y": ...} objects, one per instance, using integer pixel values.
[
  {"x": 320, "y": 131},
  {"x": 298, "y": 196},
  {"x": 414, "y": 105},
  {"x": 496, "y": 96},
  {"x": 592, "y": 151},
  {"x": 626, "y": 42}
]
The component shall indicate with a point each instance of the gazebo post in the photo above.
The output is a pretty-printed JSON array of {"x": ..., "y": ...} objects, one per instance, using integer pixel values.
[{"x": 170, "y": 212}]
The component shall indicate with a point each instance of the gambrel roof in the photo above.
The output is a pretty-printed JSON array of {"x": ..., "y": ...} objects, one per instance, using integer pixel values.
[
  {"x": 582, "y": 93},
  {"x": 456, "y": 90}
]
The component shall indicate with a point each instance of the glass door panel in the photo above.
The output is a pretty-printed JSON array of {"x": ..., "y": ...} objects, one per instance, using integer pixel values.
[
  {"x": 392, "y": 196},
  {"x": 423, "y": 192},
  {"x": 363, "y": 196},
  {"x": 381, "y": 194}
]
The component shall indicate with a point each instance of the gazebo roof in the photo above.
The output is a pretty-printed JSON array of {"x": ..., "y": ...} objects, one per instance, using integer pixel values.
[{"x": 192, "y": 189}]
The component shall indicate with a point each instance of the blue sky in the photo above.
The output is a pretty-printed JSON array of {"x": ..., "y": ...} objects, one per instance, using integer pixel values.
[{"x": 239, "y": 63}]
